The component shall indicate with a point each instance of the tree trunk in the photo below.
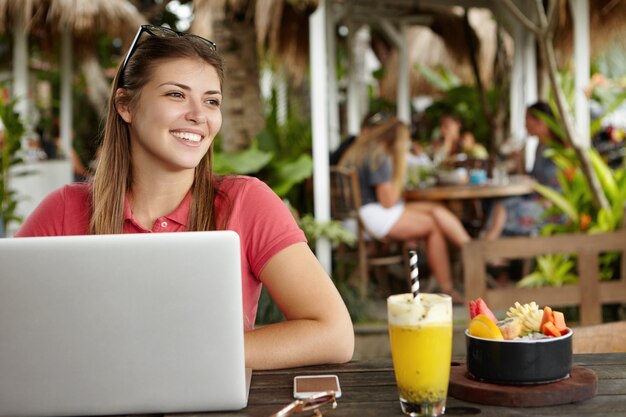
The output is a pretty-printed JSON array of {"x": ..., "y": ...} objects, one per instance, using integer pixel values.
[
  {"x": 501, "y": 79},
  {"x": 546, "y": 46},
  {"x": 242, "y": 108},
  {"x": 486, "y": 107}
]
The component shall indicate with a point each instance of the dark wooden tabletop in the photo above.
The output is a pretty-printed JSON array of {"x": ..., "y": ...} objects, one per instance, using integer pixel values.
[
  {"x": 369, "y": 389},
  {"x": 516, "y": 185}
]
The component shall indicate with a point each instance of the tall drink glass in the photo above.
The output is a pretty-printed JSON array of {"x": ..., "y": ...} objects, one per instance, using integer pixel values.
[{"x": 420, "y": 333}]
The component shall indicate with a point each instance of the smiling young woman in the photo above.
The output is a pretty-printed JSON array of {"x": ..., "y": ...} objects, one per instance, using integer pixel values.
[{"x": 155, "y": 174}]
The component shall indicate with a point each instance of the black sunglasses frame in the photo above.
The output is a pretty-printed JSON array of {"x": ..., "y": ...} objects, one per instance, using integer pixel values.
[{"x": 161, "y": 32}]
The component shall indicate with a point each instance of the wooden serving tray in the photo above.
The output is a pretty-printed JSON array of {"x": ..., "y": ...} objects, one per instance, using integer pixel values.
[{"x": 581, "y": 385}]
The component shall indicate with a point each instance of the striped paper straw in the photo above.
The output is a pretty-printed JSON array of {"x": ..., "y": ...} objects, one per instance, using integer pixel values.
[{"x": 415, "y": 282}]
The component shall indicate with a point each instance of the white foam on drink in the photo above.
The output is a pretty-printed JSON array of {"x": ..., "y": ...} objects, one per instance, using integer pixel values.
[{"x": 402, "y": 310}]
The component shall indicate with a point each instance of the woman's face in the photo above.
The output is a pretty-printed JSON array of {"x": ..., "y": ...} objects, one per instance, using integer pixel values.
[
  {"x": 176, "y": 117},
  {"x": 537, "y": 127},
  {"x": 450, "y": 127}
]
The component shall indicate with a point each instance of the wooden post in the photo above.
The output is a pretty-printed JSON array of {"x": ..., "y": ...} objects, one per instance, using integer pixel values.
[
  {"x": 589, "y": 286},
  {"x": 474, "y": 274}
]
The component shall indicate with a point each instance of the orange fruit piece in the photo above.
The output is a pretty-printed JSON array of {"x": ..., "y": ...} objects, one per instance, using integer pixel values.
[{"x": 483, "y": 326}]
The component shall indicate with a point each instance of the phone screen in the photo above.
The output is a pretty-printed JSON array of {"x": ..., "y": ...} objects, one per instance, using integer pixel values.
[{"x": 306, "y": 386}]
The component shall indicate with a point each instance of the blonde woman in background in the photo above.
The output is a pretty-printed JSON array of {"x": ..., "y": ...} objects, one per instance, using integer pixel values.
[{"x": 379, "y": 155}]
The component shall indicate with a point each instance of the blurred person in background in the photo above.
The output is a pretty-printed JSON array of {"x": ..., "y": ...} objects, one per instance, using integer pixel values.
[
  {"x": 523, "y": 215},
  {"x": 380, "y": 158}
]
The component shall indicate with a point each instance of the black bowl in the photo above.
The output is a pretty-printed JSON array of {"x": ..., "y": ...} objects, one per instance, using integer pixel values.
[{"x": 519, "y": 362}]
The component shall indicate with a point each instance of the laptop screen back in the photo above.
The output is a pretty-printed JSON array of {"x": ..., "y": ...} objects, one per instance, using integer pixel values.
[{"x": 116, "y": 324}]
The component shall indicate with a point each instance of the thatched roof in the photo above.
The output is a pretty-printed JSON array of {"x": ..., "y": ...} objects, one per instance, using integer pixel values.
[
  {"x": 444, "y": 43},
  {"x": 283, "y": 26},
  {"x": 607, "y": 21},
  {"x": 114, "y": 17},
  {"x": 85, "y": 18},
  {"x": 283, "y": 31}
]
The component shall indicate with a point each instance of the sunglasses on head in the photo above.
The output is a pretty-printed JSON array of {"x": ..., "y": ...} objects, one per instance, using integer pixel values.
[{"x": 161, "y": 32}]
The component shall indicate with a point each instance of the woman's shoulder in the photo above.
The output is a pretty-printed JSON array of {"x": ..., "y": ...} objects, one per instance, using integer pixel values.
[
  {"x": 248, "y": 197},
  {"x": 77, "y": 190},
  {"x": 74, "y": 193},
  {"x": 64, "y": 211},
  {"x": 238, "y": 185}
]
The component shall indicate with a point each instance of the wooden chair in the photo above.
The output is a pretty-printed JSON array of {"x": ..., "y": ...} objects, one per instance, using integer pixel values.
[
  {"x": 589, "y": 293},
  {"x": 373, "y": 253}
]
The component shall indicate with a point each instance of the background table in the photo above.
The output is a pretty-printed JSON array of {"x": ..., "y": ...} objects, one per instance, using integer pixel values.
[
  {"x": 466, "y": 200},
  {"x": 369, "y": 389},
  {"x": 516, "y": 185}
]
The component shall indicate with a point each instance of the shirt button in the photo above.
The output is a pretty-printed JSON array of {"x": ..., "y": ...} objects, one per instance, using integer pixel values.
[{"x": 163, "y": 224}]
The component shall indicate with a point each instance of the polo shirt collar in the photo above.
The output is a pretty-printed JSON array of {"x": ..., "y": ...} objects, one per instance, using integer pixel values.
[{"x": 180, "y": 215}]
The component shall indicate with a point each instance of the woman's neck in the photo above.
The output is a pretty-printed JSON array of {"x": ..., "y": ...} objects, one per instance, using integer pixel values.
[{"x": 154, "y": 196}]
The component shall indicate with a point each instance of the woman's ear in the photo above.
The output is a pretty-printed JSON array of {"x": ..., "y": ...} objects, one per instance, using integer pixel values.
[{"x": 121, "y": 105}]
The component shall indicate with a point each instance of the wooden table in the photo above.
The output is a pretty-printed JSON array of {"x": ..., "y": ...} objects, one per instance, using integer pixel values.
[
  {"x": 516, "y": 185},
  {"x": 464, "y": 200},
  {"x": 369, "y": 389}
]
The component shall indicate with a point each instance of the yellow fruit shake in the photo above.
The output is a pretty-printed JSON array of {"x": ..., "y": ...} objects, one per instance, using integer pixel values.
[{"x": 420, "y": 333}]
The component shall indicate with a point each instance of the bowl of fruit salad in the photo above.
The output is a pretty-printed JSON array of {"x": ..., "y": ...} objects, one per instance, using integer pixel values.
[{"x": 531, "y": 345}]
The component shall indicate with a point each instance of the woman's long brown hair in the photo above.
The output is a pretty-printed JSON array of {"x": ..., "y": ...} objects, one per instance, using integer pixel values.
[
  {"x": 113, "y": 176},
  {"x": 390, "y": 137}
]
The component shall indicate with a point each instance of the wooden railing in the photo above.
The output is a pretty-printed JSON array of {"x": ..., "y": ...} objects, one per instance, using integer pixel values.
[{"x": 589, "y": 293}]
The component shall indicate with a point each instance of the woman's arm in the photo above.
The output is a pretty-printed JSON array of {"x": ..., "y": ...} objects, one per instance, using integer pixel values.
[
  {"x": 387, "y": 194},
  {"x": 388, "y": 178},
  {"x": 317, "y": 329}
]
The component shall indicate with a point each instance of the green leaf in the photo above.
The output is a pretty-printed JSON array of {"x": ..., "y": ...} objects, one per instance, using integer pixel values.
[
  {"x": 615, "y": 102},
  {"x": 533, "y": 280},
  {"x": 605, "y": 175},
  {"x": 289, "y": 173},
  {"x": 248, "y": 161},
  {"x": 605, "y": 221},
  {"x": 558, "y": 200},
  {"x": 552, "y": 270},
  {"x": 334, "y": 230}
]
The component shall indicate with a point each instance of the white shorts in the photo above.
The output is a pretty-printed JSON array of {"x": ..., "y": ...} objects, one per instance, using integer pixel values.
[{"x": 379, "y": 220}]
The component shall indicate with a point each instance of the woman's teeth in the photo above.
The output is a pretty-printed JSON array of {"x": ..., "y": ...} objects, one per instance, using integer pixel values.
[{"x": 191, "y": 137}]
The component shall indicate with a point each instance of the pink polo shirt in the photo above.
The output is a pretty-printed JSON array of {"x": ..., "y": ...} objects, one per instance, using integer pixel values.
[{"x": 263, "y": 222}]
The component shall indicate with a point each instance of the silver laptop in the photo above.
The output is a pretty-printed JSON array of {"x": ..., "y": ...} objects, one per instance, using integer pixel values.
[{"x": 121, "y": 324}]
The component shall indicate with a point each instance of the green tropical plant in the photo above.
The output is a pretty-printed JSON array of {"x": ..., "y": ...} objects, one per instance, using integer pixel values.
[
  {"x": 280, "y": 154},
  {"x": 610, "y": 96},
  {"x": 575, "y": 203},
  {"x": 551, "y": 270},
  {"x": 333, "y": 230},
  {"x": 574, "y": 199},
  {"x": 10, "y": 142}
]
